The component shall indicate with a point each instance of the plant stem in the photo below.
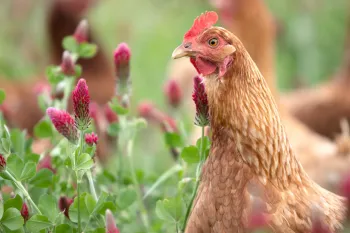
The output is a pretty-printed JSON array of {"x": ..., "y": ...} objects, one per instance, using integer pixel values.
[
  {"x": 81, "y": 149},
  {"x": 198, "y": 174},
  {"x": 19, "y": 185},
  {"x": 78, "y": 198},
  {"x": 91, "y": 184},
  {"x": 143, "y": 210}
]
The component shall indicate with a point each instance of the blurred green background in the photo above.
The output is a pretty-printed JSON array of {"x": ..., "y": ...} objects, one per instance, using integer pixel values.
[{"x": 309, "y": 49}]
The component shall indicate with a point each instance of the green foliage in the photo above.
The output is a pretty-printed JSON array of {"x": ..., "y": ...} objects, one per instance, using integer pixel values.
[
  {"x": 12, "y": 219},
  {"x": 2, "y": 96},
  {"x": 43, "y": 129}
]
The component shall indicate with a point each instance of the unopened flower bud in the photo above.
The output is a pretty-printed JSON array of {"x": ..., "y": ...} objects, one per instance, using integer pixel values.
[
  {"x": 41, "y": 88},
  {"x": 2, "y": 163},
  {"x": 64, "y": 204},
  {"x": 67, "y": 64},
  {"x": 91, "y": 139},
  {"x": 64, "y": 123},
  {"x": 152, "y": 114},
  {"x": 173, "y": 93},
  {"x": 81, "y": 32},
  {"x": 122, "y": 56},
  {"x": 110, "y": 223},
  {"x": 110, "y": 115},
  {"x": 201, "y": 101},
  {"x": 45, "y": 163},
  {"x": 25, "y": 212},
  {"x": 81, "y": 103}
]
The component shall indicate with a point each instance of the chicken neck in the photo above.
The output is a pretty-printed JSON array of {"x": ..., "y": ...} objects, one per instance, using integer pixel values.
[{"x": 244, "y": 114}]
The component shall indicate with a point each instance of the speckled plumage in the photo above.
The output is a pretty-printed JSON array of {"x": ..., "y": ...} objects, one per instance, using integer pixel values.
[{"x": 249, "y": 144}]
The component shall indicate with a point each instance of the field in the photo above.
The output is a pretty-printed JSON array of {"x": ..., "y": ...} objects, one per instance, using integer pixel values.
[{"x": 310, "y": 49}]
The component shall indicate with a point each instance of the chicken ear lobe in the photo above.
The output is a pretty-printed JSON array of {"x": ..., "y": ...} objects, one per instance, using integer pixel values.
[{"x": 223, "y": 67}]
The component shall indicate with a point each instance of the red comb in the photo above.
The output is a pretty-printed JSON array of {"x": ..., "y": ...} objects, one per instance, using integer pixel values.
[{"x": 201, "y": 23}]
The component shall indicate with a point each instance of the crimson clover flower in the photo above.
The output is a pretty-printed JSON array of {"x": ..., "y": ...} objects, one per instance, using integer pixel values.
[
  {"x": 91, "y": 139},
  {"x": 110, "y": 223},
  {"x": 67, "y": 64},
  {"x": 173, "y": 93},
  {"x": 81, "y": 103},
  {"x": 64, "y": 123},
  {"x": 81, "y": 32},
  {"x": 122, "y": 56},
  {"x": 201, "y": 101}
]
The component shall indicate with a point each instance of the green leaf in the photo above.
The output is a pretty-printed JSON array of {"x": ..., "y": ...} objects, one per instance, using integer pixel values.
[
  {"x": 166, "y": 175},
  {"x": 162, "y": 213},
  {"x": 15, "y": 165},
  {"x": 1, "y": 208},
  {"x": 6, "y": 145},
  {"x": 43, "y": 129},
  {"x": 15, "y": 202},
  {"x": 113, "y": 129},
  {"x": 78, "y": 70},
  {"x": 173, "y": 140},
  {"x": 100, "y": 202},
  {"x": 70, "y": 44},
  {"x": 28, "y": 171},
  {"x": 38, "y": 223},
  {"x": 170, "y": 209},
  {"x": 12, "y": 219},
  {"x": 118, "y": 109},
  {"x": 206, "y": 143},
  {"x": 42, "y": 179},
  {"x": 126, "y": 197},
  {"x": 90, "y": 203},
  {"x": 107, "y": 205},
  {"x": 31, "y": 157},
  {"x": 97, "y": 230},
  {"x": 2, "y": 96},
  {"x": 85, "y": 208},
  {"x": 190, "y": 154},
  {"x": 54, "y": 75},
  {"x": 87, "y": 50},
  {"x": 20, "y": 230},
  {"x": 63, "y": 228},
  {"x": 84, "y": 162},
  {"x": 18, "y": 139},
  {"x": 48, "y": 206}
]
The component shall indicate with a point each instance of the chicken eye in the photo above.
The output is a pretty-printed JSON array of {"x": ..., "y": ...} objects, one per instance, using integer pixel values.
[{"x": 213, "y": 42}]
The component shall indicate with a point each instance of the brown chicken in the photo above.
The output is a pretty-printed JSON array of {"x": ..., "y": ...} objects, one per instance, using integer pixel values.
[
  {"x": 249, "y": 144},
  {"x": 323, "y": 107},
  {"x": 317, "y": 154}
]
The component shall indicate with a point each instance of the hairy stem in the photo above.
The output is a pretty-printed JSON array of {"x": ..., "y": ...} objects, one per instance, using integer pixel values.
[
  {"x": 198, "y": 174},
  {"x": 81, "y": 150},
  {"x": 78, "y": 198},
  {"x": 91, "y": 184},
  {"x": 26, "y": 195},
  {"x": 143, "y": 210}
]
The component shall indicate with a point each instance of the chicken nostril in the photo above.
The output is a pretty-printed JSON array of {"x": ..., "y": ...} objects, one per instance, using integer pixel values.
[{"x": 187, "y": 45}]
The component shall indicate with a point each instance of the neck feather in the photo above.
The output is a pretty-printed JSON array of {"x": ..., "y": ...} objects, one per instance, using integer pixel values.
[{"x": 243, "y": 110}]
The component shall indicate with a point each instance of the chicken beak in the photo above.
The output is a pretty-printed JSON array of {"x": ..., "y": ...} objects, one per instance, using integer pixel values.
[{"x": 184, "y": 50}]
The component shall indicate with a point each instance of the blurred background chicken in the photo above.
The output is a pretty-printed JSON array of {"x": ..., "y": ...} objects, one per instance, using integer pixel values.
[
  {"x": 63, "y": 17},
  {"x": 324, "y": 106}
]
